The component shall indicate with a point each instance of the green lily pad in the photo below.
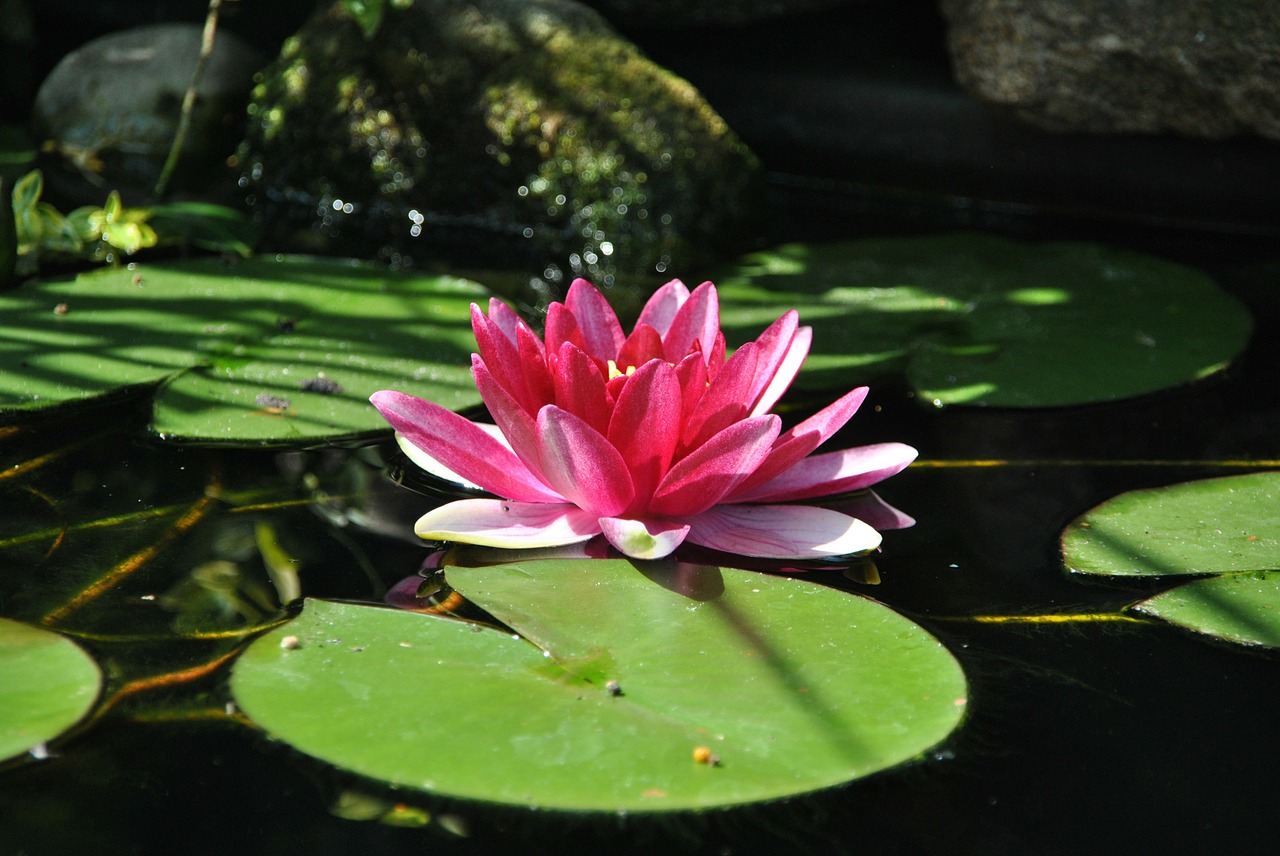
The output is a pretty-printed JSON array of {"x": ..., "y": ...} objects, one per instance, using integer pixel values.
[
  {"x": 622, "y": 674},
  {"x": 1211, "y": 526},
  {"x": 266, "y": 350},
  {"x": 1239, "y": 608},
  {"x": 47, "y": 684},
  {"x": 1229, "y": 527},
  {"x": 976, "y": 319}
]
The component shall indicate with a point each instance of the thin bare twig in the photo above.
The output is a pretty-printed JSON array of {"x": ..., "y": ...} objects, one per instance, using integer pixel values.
[{"x": 189, "y": 100}]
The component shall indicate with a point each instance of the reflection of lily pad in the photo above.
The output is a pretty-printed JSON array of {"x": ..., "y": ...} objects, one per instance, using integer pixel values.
[
  {"x": 975, "y": 319},
  {"x": 1228, "y": 526},
  {"x": 262, "y": 350},
  {"x": 791, "y": 685},
  {"x": 47, "y": 683}
]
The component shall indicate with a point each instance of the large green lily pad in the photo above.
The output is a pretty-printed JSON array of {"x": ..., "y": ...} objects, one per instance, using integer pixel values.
[
  {"x": 1228, "y": 527},
  {"x": 268, "y": 350},
  {"x": 793, "y": 686},
  {"x": 47, "y": 684},
  {"x": 976, "y": 319}
]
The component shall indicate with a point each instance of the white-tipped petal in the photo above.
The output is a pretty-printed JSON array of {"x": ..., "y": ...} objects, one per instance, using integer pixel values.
[
  {"x": 504, "y": 523},
  {"x": 781, "y": 531},
  {"x": 644, "y": 539},
  {"x": 832, "y": 472},
  {"x": 429, "y": 464}
]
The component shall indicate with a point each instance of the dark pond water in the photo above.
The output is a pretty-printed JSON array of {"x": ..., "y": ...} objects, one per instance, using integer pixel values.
[
  {"x": 1088, "y": 735},
  {"x": 1094, "y": 734}
]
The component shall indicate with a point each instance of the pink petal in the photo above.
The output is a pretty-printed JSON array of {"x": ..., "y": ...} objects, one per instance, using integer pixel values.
[
  {"x": 703, "y": 478},
  {"x": 581, "y": 464},
  {"x": 462, "y": 447},
  {"x": 803, "y": 439},
  {"x": 516, "y": 425},
  {"x": 579, "y": 387},
  {"x": 698, "y": 320},
  {"x": 692, "y": 374},
  {"x": 505, "y": 318},
  {"x": 723, "y": 402},
  {"x": 715, "y": 356},
  {"x": 502, "y": 357},
  {"x": 561, "y": 327},
  {"x": 615, "y": 385},
  {"x": 781, "y": 531},
  {"x": 644, "y": 539},
  {"x": 642, "y": 345},
  {"x": 868, "y": 507},
  {"x": 834, "y": 472},
  {"x": 788, "y": 368},
  {"x": 773, "y": 343},
  {"x": 428, "y": 464},
  {"x": 502, "y": 523},
  {"x": 596, "y": 319},
  {"x": 538, "y": 388},
  {"x": 660, "y": 310},
  {"x": 645, "y": 426}
]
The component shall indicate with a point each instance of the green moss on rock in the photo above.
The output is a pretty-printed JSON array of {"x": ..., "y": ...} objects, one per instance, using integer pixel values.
[{"x": 494, "y": 133}]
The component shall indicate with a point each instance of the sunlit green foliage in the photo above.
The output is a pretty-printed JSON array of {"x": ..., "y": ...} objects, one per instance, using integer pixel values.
[
  {"x": 97, "y": 234},
  {"x": 368, "y": 13}
]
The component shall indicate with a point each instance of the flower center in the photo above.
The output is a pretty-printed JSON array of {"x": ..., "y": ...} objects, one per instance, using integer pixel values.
[{"x": 614, "y": 371}]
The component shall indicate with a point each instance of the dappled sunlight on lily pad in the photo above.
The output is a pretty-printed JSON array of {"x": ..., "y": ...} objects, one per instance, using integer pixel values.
[
  {"x": 981, "y": 320},
  {"x": 47, "y": 684},
  {"x": 1228, "y": 527},
  {"x": 1243, "y": 608},
  {"x": 265, "y": 350},
  {"x": 1210, "y": 526},
  {"x": 632, "y": 686}
]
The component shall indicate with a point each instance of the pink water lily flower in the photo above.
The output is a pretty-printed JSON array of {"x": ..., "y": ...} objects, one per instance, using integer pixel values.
[{"x": 652, "y": 438}]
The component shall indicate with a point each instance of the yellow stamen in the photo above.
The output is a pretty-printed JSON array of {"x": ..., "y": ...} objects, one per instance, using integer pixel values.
[{"x": 614, "y": 371}]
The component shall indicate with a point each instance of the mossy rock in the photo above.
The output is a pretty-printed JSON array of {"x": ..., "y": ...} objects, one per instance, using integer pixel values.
[{"x": 496, "y": 133}]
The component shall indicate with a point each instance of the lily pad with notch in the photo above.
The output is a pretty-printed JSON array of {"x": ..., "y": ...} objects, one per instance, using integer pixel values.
[
  {"x": 1223, "y": 531},
  {"x": 630, "y": 687}
]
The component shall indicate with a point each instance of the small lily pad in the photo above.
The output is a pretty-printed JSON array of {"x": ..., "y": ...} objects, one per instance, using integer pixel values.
[
  {"x": 1228, "y": 527},
  {"x": 1239, "y": 608},
  {"x": 633, "y": 688},
  {"x": 47, "y": 684},
  {"x": 1210, "y": 526},
  {"x": 264, "y": 350},
  {"x": 981, "y": 320}
]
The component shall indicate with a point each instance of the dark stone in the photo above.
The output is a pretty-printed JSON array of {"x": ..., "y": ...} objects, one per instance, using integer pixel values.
[
  {"x": 61, "y": 26},
  {"x": 1204, "y": 68},
  {"x": 862, "y": 130},
  {"x": 493, "y": 133},
  {"x": 111, "y": 108}
]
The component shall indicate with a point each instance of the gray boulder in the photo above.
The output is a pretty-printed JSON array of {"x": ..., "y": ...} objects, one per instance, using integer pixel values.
[
  {"x": 111, "y": 108},
  {"x": 493, "y": 133},
  {"x": 1205, "y": 68}
]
